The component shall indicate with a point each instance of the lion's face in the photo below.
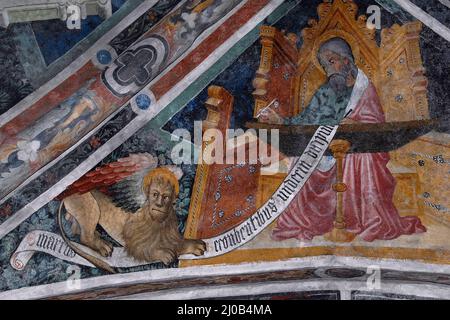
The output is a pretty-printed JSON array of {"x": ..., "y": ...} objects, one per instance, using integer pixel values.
[{"x": 161, "y": 197}]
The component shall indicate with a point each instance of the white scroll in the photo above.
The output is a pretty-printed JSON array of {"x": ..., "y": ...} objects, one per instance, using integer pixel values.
[{"x": 53, "y": 244}]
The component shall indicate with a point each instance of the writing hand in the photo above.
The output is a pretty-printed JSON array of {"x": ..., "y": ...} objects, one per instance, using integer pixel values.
[{"x": 270, "y": 116}]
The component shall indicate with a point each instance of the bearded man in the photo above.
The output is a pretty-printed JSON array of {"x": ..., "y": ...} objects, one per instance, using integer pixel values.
[{"x": 347, "y": 97}]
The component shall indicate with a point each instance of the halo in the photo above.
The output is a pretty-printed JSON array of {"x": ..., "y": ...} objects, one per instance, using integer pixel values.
[{"x": 165, "y": 172}]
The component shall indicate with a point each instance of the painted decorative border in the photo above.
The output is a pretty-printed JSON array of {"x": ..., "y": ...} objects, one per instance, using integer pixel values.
[{"x": 114, "y": 286}]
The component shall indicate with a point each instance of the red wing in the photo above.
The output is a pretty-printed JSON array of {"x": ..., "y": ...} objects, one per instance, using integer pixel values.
[{"x": 105, "y": 176}]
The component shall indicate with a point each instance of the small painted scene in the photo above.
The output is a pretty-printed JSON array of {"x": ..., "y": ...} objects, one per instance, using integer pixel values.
[{"x": 282, "y": 149}]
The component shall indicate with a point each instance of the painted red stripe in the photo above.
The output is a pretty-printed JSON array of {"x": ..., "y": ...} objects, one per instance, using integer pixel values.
[
  {"x": 52, "y": 99},
  {"x": 211, "y": 43},
  {"x": 89, "y": 71}
]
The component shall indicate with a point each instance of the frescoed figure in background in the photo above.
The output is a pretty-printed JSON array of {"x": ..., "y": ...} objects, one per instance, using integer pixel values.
[{"x": 49, "y": 135}]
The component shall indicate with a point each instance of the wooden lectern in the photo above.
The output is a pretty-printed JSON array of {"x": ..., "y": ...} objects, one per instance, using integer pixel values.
[{"x": 350, "y": 138}]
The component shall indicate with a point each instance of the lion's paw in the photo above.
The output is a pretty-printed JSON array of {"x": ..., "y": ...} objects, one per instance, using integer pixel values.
[
  {"x": 103, "y": 247},
  {"x": 195, "y": 247},
  {"x": 166, "y": 256}
]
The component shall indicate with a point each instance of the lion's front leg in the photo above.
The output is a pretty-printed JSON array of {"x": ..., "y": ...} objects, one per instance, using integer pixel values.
[{"x": 195, "y": 247}]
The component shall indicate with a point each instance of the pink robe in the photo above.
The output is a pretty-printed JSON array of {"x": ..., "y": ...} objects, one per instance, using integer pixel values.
[{"x": 367, "y": 203}]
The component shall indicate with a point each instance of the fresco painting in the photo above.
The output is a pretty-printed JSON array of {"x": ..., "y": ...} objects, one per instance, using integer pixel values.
[{"x": 213, "y": 142}]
